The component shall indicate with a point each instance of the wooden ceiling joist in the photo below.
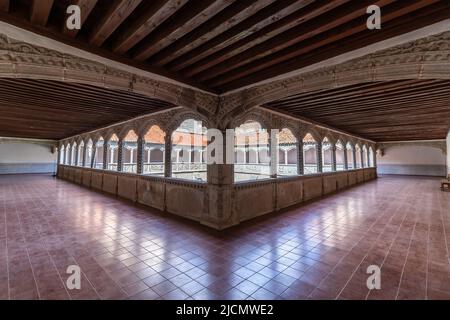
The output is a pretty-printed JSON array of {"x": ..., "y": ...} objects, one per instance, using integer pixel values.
[
  {"x": 117, "y": 13},
  {"x": 40, "y": 11}
]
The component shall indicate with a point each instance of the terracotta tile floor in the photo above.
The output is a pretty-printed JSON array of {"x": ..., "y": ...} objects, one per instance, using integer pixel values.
[{"x": 318, "y": 251}]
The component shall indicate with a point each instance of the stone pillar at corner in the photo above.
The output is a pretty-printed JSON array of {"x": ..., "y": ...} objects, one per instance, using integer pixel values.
[{"x": 220, "y": 179}]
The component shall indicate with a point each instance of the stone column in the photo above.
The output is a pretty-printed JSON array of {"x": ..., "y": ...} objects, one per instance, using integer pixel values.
[
  {"x": 69, "y": 162},
  {"x": 300, "y": 164},
  {"x": 77, "y": 150},
  {"x": 84, "y": 152},
  {"x": 120, "y": 146},
  {"x": 333, "y": 157},
  {"x": 140, "y": 155},
  {"x": 362, "y": 158},
  {"x": 93, "y": 154},
  {"x": 368, "y": 158},
  {"x": 375, "y": 157},
  {"x": 105, "y": 154},
  {"x": 354, "y": 156},
  {"x": 219, "y": 213},
  {"x": 319, "y": 157},
  {"x": 65, "y": 156},
  {"x": 273, "y": 151},
  {"x": 58, "y": 162},
  {"x": 168, "y": 155},
  {"x": 345, "y": 158}
]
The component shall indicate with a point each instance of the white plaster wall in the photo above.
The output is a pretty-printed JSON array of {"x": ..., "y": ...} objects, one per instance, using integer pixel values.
[
  {"x": 412, "y": 160},
  {"x": 26, "y": 157},
  {"x": 448, "y": 154},
  {"x": 13, "y": 152}
]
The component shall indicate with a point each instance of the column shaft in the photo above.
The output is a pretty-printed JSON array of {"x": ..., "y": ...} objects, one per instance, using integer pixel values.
[
  {"x": 319, "y": 157},
  {"x": 168, "y": 156},
  {"x": 140, "y": 155},
  {"x": 333, "y": 157},
  {"x": 105, "y": 154},
  {"x": 300, "y": 164},
  {"x": 120, "y": 155}
]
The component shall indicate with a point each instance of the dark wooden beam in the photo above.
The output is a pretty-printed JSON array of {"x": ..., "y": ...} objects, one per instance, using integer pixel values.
[
  {"x": 382, "y": 111},
  {"x": 330, "y": 36},
  {"x": 86, "y": 7},
  {"x": 151, "y": 18},
  {"x": 40, "y": 11},
  {"x": 117, "y": 13},
  {"x": 315, "y": 27},
  {"x": 193, "y": 14},
  {"x": 229, "y": 17},
  {"x": 254, "y": 30},
  {"x": 55, "y": 110},
  {"x": 417, "y": 19},
  {"x": 4, "y": 5}
]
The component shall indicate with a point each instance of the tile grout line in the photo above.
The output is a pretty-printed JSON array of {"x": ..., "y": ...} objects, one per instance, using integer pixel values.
[
  {"x": 390, "y": 247},
  {"x": 7, "y": 251},
  {"x": 365, "y": 256},
  {"x": 334, "y": 268},
  {"x": 28, "y": 253},
  {"x": 406, "y": 260}
]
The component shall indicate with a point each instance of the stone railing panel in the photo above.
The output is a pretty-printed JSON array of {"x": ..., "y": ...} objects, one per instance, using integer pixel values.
[
  {"x": 87, "y": 175},
  {"x": 185, "y": 201},
  {"x": 127, "y": 187},
  {"x": 97, "y": 180},
  {"x": 289, "y": 193},
  {"x": 312, "y": 187},
  {"x": 151, "y": 193},
  {"x": 253, "y": 200},
  {"x": 329, "y": 183},
  {"x": 110, "y": 183}
]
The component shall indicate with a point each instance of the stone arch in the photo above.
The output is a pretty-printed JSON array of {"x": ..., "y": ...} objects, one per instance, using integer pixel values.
[
  {"x": 145, "y": 125},
  {"x": 264, "y": 121},
  {"x": 313, "y": 132},
  {"x": 183, "y": 116},
  {"x": 123, "y": 131}
]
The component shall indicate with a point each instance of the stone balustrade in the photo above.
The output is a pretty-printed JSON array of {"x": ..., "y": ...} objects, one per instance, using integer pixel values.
[{"x": 194, "y": 200}]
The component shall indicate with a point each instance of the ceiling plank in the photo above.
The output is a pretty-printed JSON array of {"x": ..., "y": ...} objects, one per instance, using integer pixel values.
[
  {"x": 229, "y": 17},
  {"x": 417, "y": 19},
  {"x": 40, "y": 11},
  {"x": 86, "y": 7},
  {"x": 194, "y": 13},
  {"x": 151, "y": 18},
  {"x": 55, "y": 110},
  {"x": 293, "y": 36},
  {"x": 4, "y": 5},
  {"x": 117, "y": 13},
  {"x": 333, "y": 35},
  {"x": 257, "y": 29},
  {"x": 381, "y": 111}
]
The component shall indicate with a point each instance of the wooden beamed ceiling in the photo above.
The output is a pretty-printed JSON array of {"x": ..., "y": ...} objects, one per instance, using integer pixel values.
[
  {"x": 221, "y": 45},
  {"x": 45, "y": 109},
  {"x": 382, "y": 111}
]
